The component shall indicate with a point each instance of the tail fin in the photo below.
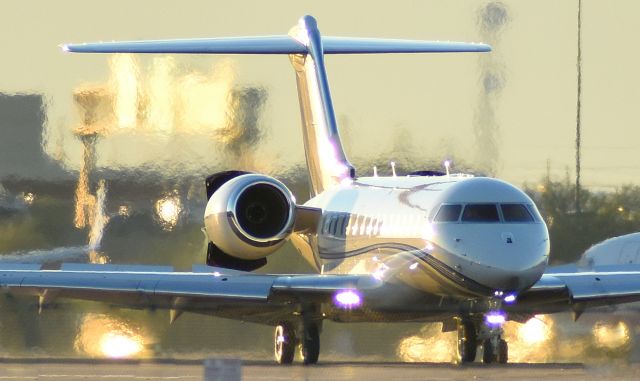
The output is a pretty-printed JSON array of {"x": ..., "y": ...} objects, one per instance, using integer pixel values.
[{"x": 326, "y": 160}]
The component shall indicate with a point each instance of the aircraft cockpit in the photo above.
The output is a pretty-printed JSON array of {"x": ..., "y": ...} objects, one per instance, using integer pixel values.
[{"x": 485, "y": 213}]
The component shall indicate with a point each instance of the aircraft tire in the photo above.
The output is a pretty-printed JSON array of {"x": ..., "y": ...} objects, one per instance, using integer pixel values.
[
  {"x": 284, "y": 343},
  {"x": 489, "y": 355},
  {"x": 503, "y": 351},
  {"x": 467, "y": 342},
  {"x": 310, "y": 345}
]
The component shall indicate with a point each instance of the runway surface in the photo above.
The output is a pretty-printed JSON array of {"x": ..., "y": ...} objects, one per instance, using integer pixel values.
[{"x": 65, "y": 369}]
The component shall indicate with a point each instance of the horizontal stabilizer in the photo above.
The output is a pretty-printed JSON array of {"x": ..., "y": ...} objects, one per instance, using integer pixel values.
[
  {"x": 276, "y": 45},
  {"x": 348, "y": 45}
]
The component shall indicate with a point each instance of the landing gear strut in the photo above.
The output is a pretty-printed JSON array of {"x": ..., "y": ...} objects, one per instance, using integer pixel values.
[{"x": 467, "y": 341}]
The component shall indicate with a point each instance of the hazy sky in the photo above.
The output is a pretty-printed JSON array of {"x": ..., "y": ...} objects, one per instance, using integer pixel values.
[{"x": 434, "y": 103}]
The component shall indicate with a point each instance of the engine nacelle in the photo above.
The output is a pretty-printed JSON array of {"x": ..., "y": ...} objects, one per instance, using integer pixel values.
[{"x": 250, "y": 216}]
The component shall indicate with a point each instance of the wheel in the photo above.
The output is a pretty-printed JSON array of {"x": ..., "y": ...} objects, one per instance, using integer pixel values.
[
  {"x": 503, "y": 351},
  {"x": 467, "y": 342},
  {"x": 284, "y": 343},
  {"x": 310, "y": 345},
  {"x": 489, "y": 354}
]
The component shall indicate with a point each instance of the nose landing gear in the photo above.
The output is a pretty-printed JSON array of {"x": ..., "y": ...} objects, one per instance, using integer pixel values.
[
  {"x": 495, "y": 350},
  {"x": 473, "y": 332}
]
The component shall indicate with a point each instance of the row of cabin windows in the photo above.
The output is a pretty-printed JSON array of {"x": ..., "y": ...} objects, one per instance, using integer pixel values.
[
  {"x": 345, "y": 224},
  {"x": 484, "y": 213},
  {"x": 336, "y": 224}
]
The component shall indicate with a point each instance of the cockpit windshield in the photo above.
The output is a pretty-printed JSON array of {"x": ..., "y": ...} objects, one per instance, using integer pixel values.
[
  {"x": 480, "y": 213},
  {"x": 484, "y": 213},
  {"x": 448, "y": 213},
  {"x": 515, "y": 213}
]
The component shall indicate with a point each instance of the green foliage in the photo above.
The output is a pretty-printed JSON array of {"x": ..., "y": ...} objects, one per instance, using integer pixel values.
[{"x": 601, "y": 215}]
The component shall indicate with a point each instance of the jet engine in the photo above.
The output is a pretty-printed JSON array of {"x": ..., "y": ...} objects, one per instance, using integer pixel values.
[{"x": 248, "y": 217}]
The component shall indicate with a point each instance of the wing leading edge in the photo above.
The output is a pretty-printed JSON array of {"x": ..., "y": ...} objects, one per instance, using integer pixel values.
[
  {"x": 569, "y": 288},
  {"x": 234, "y": 294}
]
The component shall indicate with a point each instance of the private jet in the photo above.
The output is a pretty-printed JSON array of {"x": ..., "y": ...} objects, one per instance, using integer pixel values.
[{"x": 469, "y": 252}]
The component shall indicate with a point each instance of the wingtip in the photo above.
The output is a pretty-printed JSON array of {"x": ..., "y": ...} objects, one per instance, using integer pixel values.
[{"x": 65, "y": 48}]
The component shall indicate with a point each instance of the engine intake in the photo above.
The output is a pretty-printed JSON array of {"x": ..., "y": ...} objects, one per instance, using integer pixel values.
[
  {"x": 250, "y": 216},
  {"x": 262, "y": 211}
]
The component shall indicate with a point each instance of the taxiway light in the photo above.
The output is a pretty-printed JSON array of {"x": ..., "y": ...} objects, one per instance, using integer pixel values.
[{"x": 347, "y": 299}]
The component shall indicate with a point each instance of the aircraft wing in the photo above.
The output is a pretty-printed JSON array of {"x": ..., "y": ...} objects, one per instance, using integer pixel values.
[
  {"x": 566, "y": 288},
  {"x": 228, "y": 293}
]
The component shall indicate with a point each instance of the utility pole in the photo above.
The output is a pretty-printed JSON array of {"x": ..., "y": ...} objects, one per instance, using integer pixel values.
[{"x": 578, "y": 108}]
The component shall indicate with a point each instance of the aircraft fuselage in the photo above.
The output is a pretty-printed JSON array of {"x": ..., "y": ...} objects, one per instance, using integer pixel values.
[{"x": 446, "y": 235}]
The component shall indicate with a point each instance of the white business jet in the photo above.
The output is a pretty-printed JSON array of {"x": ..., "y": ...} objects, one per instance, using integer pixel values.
[{"x": 470, "y": 252}]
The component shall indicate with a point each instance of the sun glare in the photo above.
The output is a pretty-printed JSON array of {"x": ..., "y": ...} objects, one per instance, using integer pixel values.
[{"x": 104, "y": 336}]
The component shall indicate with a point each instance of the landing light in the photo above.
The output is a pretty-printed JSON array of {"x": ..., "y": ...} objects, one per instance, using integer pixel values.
[
  {"x": 510, "y": 298},
  {"x": 495, "y": 318},
  {"x": 347, "y": 299}
]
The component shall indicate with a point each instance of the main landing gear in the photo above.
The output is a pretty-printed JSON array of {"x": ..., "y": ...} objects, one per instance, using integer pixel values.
[
  {"x": 471, "y": 333},
  {"x": 287, "y": 338},
  {"x": 285, "y": 343}
]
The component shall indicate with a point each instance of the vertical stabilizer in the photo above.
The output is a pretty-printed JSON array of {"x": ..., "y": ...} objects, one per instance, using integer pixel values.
[{"x": 326, "y": 161}]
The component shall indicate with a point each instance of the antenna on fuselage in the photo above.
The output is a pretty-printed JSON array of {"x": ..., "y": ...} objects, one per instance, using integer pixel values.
[
  {"x": 375, "y": 171},
  {"x": 393, "y": 168},
  {"x": 447, "y": 164}
]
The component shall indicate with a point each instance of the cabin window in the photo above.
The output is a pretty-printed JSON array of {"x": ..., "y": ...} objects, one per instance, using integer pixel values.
[
  {"x": 480, "y": 213},
  {"x": 515, "y": 213},
  {"x": 342, "y": 224},
  {"x": 448, "y": 213}
]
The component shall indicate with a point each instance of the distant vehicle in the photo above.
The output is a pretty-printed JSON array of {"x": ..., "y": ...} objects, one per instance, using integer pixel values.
[{"x": 470, "y": 252}]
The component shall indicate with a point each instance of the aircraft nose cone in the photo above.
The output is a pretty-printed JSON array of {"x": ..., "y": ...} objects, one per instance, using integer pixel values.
[
  {"x": 511, "y": 261},
  {"x": 498, "y": 256}
]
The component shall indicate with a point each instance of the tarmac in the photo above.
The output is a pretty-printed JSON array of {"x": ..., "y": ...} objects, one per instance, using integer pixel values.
[{"x": 81, "y": 369}]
